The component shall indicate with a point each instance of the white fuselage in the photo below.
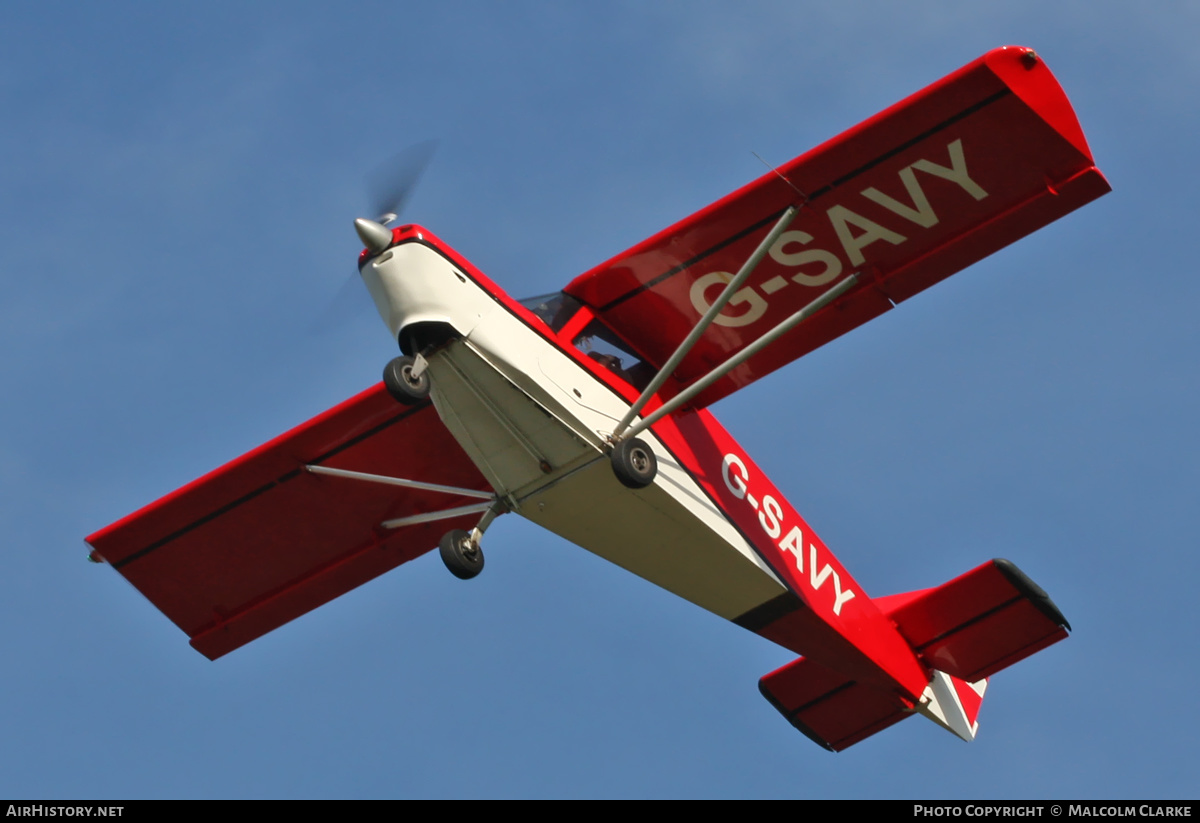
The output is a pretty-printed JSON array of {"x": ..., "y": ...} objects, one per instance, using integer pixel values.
[{"x": 534, "y": 420}]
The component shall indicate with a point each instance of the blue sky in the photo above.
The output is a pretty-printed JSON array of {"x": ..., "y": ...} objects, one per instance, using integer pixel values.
[{"x": 175, "y": 217}]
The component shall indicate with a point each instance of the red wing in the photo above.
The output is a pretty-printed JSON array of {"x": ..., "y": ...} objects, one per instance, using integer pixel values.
[
  {"x": 936, "y": 182},
  {"x": 260, "y": 541}
]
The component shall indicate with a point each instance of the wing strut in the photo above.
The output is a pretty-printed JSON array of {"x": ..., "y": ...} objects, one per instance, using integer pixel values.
[
  {"x": 675, "y": 359},
  {"x": 745, "y": 354},
  {"x": 399, "y": 481},
  {"x": 490, "y": 509},
  {"x": 444, "y": 514}
]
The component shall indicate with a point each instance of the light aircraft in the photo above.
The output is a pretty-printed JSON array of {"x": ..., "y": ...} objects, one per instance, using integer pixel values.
[{"x": 587, "y": 412}]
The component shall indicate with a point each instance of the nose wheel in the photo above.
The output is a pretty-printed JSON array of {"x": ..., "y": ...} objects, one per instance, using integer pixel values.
[{"x": 407, "y": 380}]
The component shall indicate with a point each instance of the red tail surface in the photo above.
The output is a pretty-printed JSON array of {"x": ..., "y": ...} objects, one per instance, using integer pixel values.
[{"x": 964, "y": 631}]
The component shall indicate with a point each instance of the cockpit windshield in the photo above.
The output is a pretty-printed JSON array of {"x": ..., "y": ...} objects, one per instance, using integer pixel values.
[{"x": 599, "y": 342}]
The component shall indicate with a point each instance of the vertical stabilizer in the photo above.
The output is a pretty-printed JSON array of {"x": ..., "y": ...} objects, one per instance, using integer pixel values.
[{"x": 953, "y": 704}]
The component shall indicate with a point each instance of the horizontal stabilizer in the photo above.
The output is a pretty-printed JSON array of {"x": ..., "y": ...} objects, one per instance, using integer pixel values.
[
  {"x": 979, "y": 623},
  {"x": 829, "y": 708}
]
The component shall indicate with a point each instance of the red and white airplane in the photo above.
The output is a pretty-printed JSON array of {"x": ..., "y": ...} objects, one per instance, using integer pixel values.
[{"x": 586, "y": 412}]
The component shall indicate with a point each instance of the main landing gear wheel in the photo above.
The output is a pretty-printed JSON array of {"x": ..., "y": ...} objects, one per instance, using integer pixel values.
[
  {"x": 634, "y": 463},
  {"x": 400, "y": 383},
  {"x": 461, "y": 556}
]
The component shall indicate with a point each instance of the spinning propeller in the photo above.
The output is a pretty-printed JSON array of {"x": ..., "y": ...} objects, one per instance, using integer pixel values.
[{"x": 391, "y": 185}]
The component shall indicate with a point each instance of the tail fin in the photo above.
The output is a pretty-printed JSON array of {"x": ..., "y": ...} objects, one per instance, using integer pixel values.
[
  {"x": 964, "y": 631},
  {"x": 953, "y": 703}
]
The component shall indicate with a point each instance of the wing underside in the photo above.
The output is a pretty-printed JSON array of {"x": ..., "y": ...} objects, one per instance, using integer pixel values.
[
  {"x": 261, "y": 540},
  {"x": 938, "y": 181}
]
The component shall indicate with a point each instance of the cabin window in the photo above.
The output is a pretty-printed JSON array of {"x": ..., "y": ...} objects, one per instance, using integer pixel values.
[
  {"x": 553, "y": 309},
  {"x": 599, "y": 343}
]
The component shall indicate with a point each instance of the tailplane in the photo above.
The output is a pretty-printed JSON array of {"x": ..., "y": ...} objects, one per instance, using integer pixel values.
[
  {"x": 829, "y": 708},
  {"x": 964, "y": 631},
  {"x": 978, "y": 623}
]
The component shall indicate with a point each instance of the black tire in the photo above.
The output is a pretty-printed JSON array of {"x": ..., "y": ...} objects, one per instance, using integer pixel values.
[
  {"x": 634, "y": 463},
  {"x": 397, "y": 377},
  {"x": 462, "y": 559}
]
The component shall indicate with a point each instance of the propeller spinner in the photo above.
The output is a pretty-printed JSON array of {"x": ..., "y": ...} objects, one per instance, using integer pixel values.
[{"x": 375, "y": 236}]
